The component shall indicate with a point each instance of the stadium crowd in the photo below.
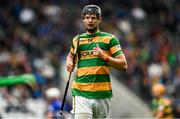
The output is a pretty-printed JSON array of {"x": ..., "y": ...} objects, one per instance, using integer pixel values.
[{"x": 35, "y": 37}]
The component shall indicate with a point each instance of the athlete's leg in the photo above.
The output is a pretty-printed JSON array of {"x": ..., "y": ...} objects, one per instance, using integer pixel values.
[
  {"x": 82, "y": 108},
  {"x": 101, "y": 108}
]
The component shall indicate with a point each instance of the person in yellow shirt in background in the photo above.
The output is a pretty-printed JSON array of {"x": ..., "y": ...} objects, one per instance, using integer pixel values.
[{"x": 161, "y": 106}]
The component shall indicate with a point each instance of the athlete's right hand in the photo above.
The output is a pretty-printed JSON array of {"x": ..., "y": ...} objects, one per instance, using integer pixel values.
[
  {"x": 70, "y": 67},
  {"x": 69, "y": 63}
]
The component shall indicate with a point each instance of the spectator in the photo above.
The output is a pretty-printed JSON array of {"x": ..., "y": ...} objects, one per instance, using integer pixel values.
[
  {"x": 54, "y": 103},
  {"x": 161, "y": 105}
]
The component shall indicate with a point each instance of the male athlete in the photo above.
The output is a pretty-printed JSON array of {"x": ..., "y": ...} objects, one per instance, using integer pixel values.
[{"x": 97, "y": 52}]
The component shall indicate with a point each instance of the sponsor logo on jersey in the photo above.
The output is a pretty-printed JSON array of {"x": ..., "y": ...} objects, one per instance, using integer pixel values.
[{"x": 87, "y": 53}]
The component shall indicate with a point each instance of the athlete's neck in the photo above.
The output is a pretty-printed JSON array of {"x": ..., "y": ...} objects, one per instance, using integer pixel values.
[{"x": 90, "y": 33}]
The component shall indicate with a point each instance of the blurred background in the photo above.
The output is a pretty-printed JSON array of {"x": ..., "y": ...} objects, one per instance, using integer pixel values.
[{"x": 35, "y": 37}]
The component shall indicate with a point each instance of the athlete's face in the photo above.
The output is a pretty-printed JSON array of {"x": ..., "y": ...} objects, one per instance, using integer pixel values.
[{"x": 91, "y": 22}]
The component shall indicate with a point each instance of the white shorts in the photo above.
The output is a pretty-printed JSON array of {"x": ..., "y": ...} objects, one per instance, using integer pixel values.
[{"x": 84, "y": 108}]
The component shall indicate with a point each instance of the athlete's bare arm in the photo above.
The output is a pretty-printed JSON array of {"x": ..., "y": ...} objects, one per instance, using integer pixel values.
[
  {"x": 119, "y": 62},
  {"x": 69, "y": 63}
]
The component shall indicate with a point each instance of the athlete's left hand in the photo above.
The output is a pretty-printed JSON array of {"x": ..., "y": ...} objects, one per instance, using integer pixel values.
[{"x": 97, "y": 51}]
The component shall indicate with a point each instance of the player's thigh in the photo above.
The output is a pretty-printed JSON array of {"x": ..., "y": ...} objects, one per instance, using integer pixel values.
[
  {"x": 101, "y": 108},
  {"x": 82, "y": 108}
]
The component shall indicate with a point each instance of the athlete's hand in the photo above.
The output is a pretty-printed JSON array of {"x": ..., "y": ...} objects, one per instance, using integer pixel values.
[
  {"x": 70, "y": 66},
  {"x": 97, "y": 51},
  {"x": 69, "y": 63}
]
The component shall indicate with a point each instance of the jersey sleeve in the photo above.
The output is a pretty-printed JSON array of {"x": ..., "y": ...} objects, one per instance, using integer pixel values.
[
  {"x": 73, "y": 45},
  {"x": 115, "y": 47}
]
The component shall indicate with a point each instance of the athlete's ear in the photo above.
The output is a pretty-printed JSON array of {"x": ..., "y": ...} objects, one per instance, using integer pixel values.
[
  {"x": 83, "y": 20},
  {"x": 100, "y": 19}
]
